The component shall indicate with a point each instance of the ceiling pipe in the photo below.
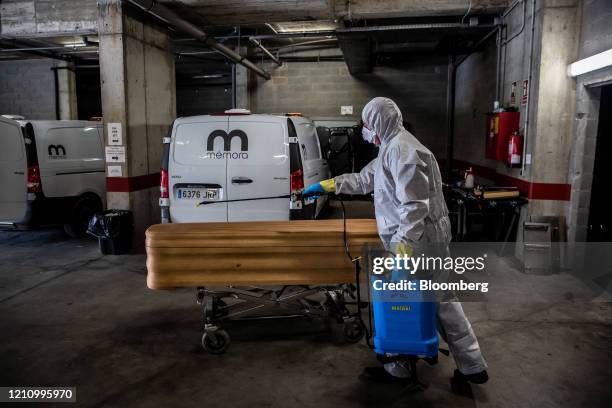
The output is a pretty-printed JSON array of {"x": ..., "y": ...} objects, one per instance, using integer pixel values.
[
  {"x": 51, "y": 34},
  {"x": 184, "y": 53},
  {"x": 409, "y": 27},
  {"x": 283, "y": 53},
  {"x": 299, "y": 44},
  {"x": 295, "y": 34},
  {"x": 27, "y": 49},
  {"x": 163, "y": 13},
  {"x": 45, "y": 54},
  {"x": 529, "y": 88},
  {"x": 348, "y": 30},
  {"x": 266, "y": 51}
]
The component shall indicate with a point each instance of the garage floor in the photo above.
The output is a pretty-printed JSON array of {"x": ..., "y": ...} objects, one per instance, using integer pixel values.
[{"x": 71, "y": 317}]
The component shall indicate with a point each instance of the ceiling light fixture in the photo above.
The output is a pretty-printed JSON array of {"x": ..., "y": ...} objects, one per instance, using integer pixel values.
[
  {"x": 310, "y": 26},
  {"x": 597, "y": 61},
  {"x": 207, "y": 76}
]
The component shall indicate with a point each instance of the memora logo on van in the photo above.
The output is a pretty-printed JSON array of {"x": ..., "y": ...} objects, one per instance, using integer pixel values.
[
  {"x": 227, "y": 143},
  {"x": 56, "y": 152}
]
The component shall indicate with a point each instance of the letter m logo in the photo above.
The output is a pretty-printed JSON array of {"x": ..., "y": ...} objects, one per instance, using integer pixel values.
[
  {"x": 227, "y": 139},
  {"x": 56, "y": 150}
]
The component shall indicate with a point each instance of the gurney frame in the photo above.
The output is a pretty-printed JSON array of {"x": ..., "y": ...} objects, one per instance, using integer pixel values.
[{"x": 265, "y": 303}]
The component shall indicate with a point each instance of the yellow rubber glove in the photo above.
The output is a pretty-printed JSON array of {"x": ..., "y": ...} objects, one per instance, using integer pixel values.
[
  {"x": 403, "y": 249},
  {"x": 329, "y": 185}
]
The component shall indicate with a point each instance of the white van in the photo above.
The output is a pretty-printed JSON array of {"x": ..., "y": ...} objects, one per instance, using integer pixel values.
[
  {"x": 240, "y": 156},
  {"x": 51, "y": 172}
]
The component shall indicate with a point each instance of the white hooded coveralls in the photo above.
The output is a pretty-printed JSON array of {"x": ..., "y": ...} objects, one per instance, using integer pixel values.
[{"x": 410, "y": 208}]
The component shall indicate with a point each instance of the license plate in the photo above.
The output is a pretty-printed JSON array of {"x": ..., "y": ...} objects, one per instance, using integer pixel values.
[{"x": 208, "y": 194}]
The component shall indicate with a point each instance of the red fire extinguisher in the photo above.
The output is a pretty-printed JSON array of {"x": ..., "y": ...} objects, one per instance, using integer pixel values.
[{"x": 514, "y": 149}]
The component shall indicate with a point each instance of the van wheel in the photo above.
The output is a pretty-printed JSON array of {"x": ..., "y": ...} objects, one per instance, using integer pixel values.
[{"x": 80, "y": 215}]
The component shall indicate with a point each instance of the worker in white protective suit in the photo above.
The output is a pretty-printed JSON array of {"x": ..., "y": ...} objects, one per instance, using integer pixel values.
[{"x": 410, "y": 210}]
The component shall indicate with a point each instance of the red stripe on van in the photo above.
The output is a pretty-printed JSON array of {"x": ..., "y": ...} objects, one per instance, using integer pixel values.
[{"x": 127, "y": 184}]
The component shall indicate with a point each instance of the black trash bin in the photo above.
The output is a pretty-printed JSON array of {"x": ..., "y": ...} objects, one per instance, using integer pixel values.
[{"x": 114, "y": 229}]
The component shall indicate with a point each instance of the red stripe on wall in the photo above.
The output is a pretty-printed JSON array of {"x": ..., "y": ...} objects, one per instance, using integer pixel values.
[
  {"x": 550, "y": 191},
  {"x": 534, "y": 191},
  {"x": 127, "y": 184}
]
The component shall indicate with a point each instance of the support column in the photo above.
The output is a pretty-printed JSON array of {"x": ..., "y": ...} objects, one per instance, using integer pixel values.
[
  {"x": 66, "y": 91},
  {"x": 241, "y": 86},
  {"x": 553, "y": 97},
  {"x": 139, "y": 98}
]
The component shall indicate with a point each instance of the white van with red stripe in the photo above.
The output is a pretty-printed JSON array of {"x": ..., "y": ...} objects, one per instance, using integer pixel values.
[
  {"x": 51, "y": 172},
  {"x": 239, "y": 164}
]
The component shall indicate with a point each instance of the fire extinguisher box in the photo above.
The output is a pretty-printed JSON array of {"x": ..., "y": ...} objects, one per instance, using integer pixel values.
[{"x": 500, "y": 126}]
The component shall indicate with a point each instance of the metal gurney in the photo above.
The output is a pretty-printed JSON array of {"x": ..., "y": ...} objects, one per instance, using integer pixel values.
[{"x": 260, "y": 269}]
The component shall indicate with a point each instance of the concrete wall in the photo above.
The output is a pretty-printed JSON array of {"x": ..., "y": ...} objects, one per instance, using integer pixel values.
[
  {"x": 27, "y": 88},
  {"x": 552, "y": 102},
  {"x": 25, "y": 17},
  {"x": 551, "y": 98},
  {"x": 88, "y": 92},
  {"x": 596, "y": 33},
  {"x": 595, "y": 37},
  {"x": 201, "y": 100},
  {"x": 474, "y": 96},
  {"x": 320, "y": 88},
  {"x": 475, "y": 91}
]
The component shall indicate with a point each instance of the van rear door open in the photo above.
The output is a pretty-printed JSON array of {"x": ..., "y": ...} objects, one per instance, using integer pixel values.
[
  {"x": 258, "y": 166},
  {"x": 197, "y": 170},
  {"x": 315, "y": 166},
  {"x": 13, "y": 173}
]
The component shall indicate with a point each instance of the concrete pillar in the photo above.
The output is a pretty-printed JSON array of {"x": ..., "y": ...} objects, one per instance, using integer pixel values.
[
  {"x": 139, "y": 97},
  {"x": 242, "y": 83},
  {"x": 554, "y": 94},
  {"x": 66, "y": 89}
]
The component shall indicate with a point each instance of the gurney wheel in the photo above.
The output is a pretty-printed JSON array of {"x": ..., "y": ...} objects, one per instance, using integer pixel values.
[
  {"x": 215, "y": 342},
  {"x": 353, "y": 330}
]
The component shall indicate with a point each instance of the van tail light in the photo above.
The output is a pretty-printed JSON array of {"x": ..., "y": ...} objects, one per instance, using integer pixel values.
[
  {"x": 297, "y": 180},
  {"x": 34, "y": 179},
  {"x": 163, "y": 184}
]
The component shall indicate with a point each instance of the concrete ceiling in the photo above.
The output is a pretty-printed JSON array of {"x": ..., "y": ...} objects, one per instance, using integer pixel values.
[
  {"x": 43, "y": 24},
  {"x": 233, "y": 12},
  {"x": 21, "y": 18}
]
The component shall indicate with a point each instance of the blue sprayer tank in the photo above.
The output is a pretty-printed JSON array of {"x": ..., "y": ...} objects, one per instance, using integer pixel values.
[{"x": 405, "y": 326}]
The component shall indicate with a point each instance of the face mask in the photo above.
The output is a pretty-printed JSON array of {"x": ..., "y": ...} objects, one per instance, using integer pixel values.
[{"x": 368, "y": 135}]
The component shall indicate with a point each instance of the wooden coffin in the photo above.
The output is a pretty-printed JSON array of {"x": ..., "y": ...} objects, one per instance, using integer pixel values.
[{"x": 254, "y": 253}]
